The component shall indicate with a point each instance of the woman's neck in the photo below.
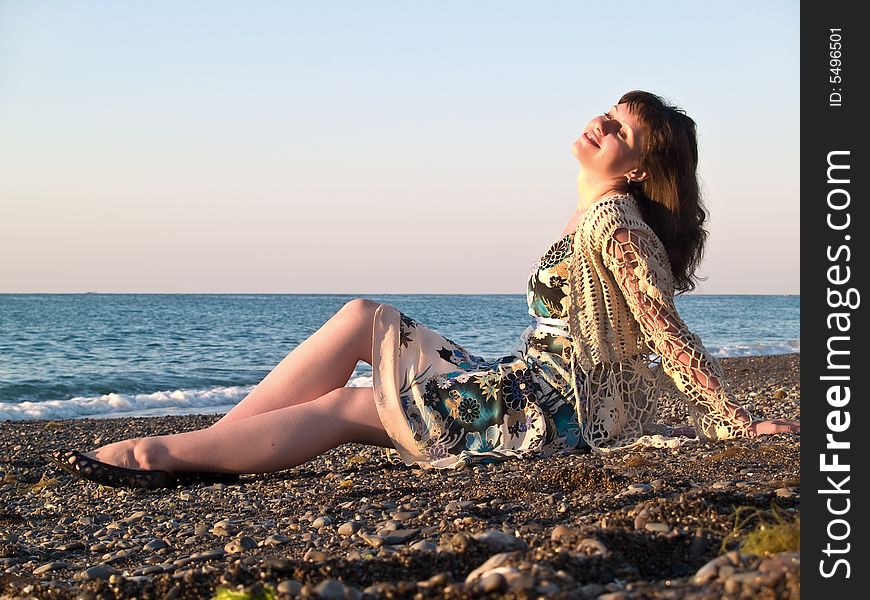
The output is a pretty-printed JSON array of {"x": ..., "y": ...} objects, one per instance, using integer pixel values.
[{"x": 591, "y": 191}]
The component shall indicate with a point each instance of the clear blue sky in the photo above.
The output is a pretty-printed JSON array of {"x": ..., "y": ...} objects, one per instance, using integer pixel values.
[{"x": 369, "y": 147}]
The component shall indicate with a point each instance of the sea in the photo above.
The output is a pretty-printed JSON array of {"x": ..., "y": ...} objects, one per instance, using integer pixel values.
[{"x": 65, "y": 356}]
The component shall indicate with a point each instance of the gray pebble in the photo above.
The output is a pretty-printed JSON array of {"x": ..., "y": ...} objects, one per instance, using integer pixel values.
[
  {"x": 277, "y": 540},
  {"x": 349, "y": 528},
  {"x": 289, "y": 587},
  {"x": 320, "y": 522},
  {"x": 638, "y": 488},
  {"x": 492, "y": 582},
  {"x": 500, "y": 540},
  {"x": 154, "y": 545},
  {"x": 424, "y": 546},
  {"x": 96, "y": 572},
  {"x": 52, "y": 566},
  {"x": 657, "y": 526}
]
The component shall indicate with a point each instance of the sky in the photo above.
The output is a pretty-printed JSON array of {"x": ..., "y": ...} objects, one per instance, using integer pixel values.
[{"x": 369, "y": 147}]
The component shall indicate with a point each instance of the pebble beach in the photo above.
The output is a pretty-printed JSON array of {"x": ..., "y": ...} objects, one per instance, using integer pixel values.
[{"x": 357, "y": 523}]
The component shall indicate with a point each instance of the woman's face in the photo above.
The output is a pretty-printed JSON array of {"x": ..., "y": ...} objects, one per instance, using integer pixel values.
[{"x": 610, "y": 143}]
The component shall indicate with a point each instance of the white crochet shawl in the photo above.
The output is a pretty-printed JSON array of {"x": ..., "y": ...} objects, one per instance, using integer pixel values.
[{"x": 626, "y": 334}]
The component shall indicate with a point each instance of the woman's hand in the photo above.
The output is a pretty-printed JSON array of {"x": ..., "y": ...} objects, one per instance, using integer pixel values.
[{"x": 774, "y": 426}]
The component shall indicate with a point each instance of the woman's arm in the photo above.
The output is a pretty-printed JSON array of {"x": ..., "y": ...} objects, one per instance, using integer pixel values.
[{"x": 637, "y": 265}]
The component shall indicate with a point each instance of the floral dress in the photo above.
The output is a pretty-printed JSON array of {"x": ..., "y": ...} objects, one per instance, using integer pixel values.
[{"x": 445, "y": 407}]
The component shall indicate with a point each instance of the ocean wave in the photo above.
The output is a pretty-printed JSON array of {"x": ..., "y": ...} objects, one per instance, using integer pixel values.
[
  {"x": 757, "y": 349},
  {"x": 175, "y": 402},
  {"x": 123, "y": 404}
]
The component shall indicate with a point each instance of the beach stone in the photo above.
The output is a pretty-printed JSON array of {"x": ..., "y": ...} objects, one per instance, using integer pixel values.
[
  {"x": 320, "y": 522},
  {"x": 638, "y": 488},
  {"x": 135, "y": 517},
  {"x": 495, "y": 561},
  {"x": 277, "y": 539},
  {"x": 279, "y": 565},
  {"x": 375, "y": 541},
  {"x": 315, "y": 556},
  {"x": 657, "y": 484},
  {"x": 657, "y": 527},
  {"x": 560, "y": 531},
  {"x": 349, "y": 528},
  {"x": 52, "y": 566},
  {"x": 710, "y": 570},
  {"x": 424, "y": 546},
  {"x": 96, "y": 572},
  {"x": 400, "y": 536},
  {"x": 403, "y": 516},
  {"x": 721, "y": 485},
  {"x": 241, "y": 544},
  {"x": 289, "y": 587},
  {"x": 613, "y": 596},
  {"x": 785, "y": 492},
  {"x": 591, "y": 546},
  {"x": 333, "y": 589},
  {"x": 155, "y": 545},
  {"x": 492, "y": 582},
  {"x": 500, "y": 540}
]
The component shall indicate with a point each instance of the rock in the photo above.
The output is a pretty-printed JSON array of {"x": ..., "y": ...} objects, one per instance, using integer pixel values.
[
  {"x": 495, "y": 561},
  {"x": 492, "y": 582},
  {"x": 424, "y": 546},
  {"x": 320, "y": 522},
  {"x": 403, "y": 516},
  {"x": 638, "y": 488},
  {"x": 591, "y": 546},
  {"x": 242, "y": 544},
  {"x": 52, "y": 566},
  {"x": 785, "y": 492},
  {"x": 400, "y": 536},
  {"x": 277, "y": 540},
  {"x": 560, "y": 531},
  {"x": 289, "y": 587},
  {"x": 155, "y": 545},
  {"x": 376, "y": 541},
  {"x": 349, "y": 528},
  {"x": 657, "y": 527},
  {"x": 721, "y": 485},
  {"x": 315, "y": 556},
  {"x": 710, "y": 570},
  {"x": 780, "y": 394},
  {"x": 500, "y": 540},
  {"x": 102, "y": 572},
  {"x": 278, "y": 565},
  {"x": 613, "y": 596},
  {"x": 460, "y": 542},
  {"x": 331, "y": 589}
]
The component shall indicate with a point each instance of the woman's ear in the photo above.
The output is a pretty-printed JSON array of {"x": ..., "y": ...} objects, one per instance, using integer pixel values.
[{"x": 637, "y": 175}]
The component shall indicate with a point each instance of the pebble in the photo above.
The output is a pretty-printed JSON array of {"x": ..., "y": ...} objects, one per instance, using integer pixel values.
[
  {"x": 400, "y": 536},
  {"x": 492, "y": 582},
  {"x": 154, "y": 545},
  {"x": 277, "y": 539},
  {"x": 315, "y": 556},
  {"x": 242, "y": 544},
  {"x": 785, "y": 492},
  {"x": 638, "y": 488},
  {"x": 96, "y": 572},
  {"x": 424, "y": 546},
  {"x": 320, "y": 522},
  {"x": 560, "y": 531},
  {"x": 333, "y": 589},
  {"x": 500, "y": 540},
  {"x": 289, "y": 587},
  {"x": 349, "y": 528},
  {"x": 52, "y": 566},
  {"x": 657, "y": 527}
]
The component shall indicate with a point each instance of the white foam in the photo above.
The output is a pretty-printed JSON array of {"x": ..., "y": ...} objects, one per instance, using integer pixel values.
[
  {"x": 124, "y": 405},
  {"x": 175, "y": 402},
  {"x": 759, "y": 349}
]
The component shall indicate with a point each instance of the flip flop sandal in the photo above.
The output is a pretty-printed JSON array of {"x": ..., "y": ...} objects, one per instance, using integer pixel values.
[{"x": 85, "y": 467}]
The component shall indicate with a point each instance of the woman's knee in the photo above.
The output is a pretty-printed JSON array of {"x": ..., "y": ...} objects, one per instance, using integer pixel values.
[{"x": 360, "y": 308}]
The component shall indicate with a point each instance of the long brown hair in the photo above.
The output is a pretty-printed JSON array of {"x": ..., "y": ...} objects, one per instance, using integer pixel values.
[{"x": 669, "y": 197}]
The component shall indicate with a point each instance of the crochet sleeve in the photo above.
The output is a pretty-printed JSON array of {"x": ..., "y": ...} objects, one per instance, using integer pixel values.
[{"x": 642, "y": 271}]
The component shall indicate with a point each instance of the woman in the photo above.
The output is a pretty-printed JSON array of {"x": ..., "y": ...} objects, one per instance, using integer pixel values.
[{"x": 587, "y": 374}]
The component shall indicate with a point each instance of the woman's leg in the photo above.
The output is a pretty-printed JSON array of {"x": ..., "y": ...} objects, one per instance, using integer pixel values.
[
  {"x": 262, "y": 443},
  {"x": 323, "y": 362}
]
